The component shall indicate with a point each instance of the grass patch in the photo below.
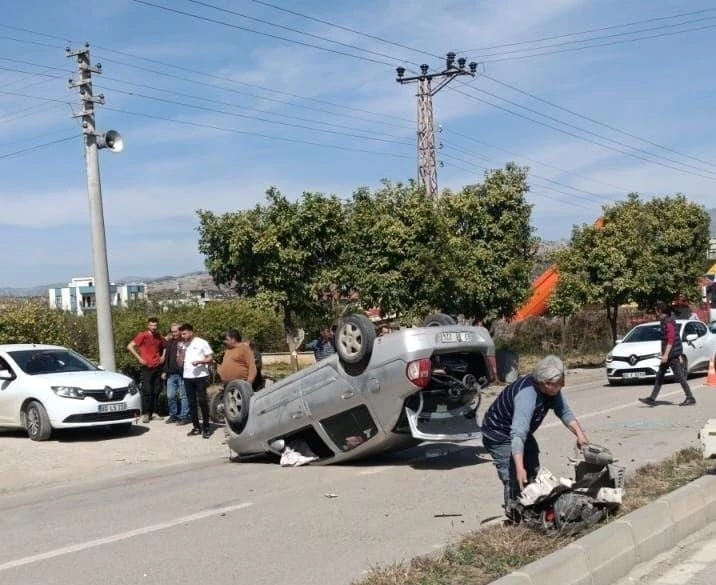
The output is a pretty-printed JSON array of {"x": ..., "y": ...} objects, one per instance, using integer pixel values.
[{"x": 488, "y": 554}]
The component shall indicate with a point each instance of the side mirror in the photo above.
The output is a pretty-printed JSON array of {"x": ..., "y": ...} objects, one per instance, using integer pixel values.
[
  {"x": 619, "y": 340},
  {"x": 691, "y": 337},
  {"x": 6, "y": 375},
  {"x": 100, "y": 367}
]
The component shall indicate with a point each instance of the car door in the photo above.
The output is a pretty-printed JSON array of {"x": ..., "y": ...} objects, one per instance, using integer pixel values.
[
  {"x": 10, "y": 400},
  {"x": 696, "y": 351}
]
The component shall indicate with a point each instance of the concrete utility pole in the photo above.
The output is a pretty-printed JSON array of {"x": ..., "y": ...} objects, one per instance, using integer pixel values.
[
  {"x": 427, "y": 165},
  {"x": 93, "y": 142}
]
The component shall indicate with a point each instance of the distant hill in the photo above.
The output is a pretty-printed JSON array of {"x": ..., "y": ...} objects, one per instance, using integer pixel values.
[{"x": 192, "y": 281}]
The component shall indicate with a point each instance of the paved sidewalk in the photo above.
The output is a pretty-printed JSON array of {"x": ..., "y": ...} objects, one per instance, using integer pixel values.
[{"x": 692, "y": 562}]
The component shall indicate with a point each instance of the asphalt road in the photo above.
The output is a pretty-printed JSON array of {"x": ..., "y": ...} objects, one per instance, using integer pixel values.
[{"x": 225, "y": 522}]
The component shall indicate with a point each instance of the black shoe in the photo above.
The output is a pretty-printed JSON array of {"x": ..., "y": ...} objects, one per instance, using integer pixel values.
[
  {"x": 207, "y": 433},
  {"x": 648, "y": 401},
  {"x": 688, "y": 402},
  {"x": 194, "y": 431},
  {"x": 171, "y": 419},
  {"x": 183, "y": 421}
]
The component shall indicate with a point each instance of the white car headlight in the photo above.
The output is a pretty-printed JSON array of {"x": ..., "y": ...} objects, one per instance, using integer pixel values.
[
  {"x": 610, "y": 357},
  {"x": 656, "y": 355},
  {"x": 69, "y": 392},
  {"x": 133, "y": 388}
]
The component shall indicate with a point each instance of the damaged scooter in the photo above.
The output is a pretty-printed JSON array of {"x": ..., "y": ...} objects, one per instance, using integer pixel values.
[{"x": 566, "y": 506}]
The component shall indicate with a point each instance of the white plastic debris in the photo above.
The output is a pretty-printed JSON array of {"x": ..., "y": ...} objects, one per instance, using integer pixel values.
[
  {"x": 297, "y": 453},
  {"x": 543, "y": 485}
]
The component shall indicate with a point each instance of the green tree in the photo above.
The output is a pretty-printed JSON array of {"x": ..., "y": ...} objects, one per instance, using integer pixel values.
[
  {"x": 395, "y": 250},
  {"x": 285, "y": 252},
  {"x": 491, "y": 247}
]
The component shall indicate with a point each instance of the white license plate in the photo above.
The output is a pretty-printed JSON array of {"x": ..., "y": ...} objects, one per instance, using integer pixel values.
[
  {"x": 114, "y": 407},
  {"x": 634, "y": 374},
  {"x": 456, "y": 336}
]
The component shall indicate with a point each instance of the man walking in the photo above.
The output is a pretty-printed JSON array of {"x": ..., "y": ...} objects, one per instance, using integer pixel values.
[
  {"x": 173, "y": 374},
  {"x": 149, "y": 349},
  {"x": 510, "y": 423},
  {"x": 671, "y": 352},
  {"x": 238, "y": 362},
  {"x": 197, "y": 358}
]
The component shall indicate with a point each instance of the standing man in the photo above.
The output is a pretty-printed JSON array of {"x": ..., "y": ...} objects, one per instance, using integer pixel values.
[
  {"x": 197, "y": 358},
  {"x": 149, "y": 347},
  {"x": 510, "y": 423},
  {"x": 324, "y": 345},
  {"x": 238, "y": 362},
  {"x": 173, "y": 374},
  {"x": 671, "y": 352}
]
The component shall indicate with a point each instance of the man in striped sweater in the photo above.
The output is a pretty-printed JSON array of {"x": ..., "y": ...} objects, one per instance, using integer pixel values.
[{"x": 510, "y": 423}]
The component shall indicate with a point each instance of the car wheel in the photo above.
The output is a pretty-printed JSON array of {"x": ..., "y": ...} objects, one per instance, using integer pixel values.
[
  {"x": 355, "y": 336},
  {"x": 37, "y": 423},
  {"x": 237, "y": 396},
  {"x": 438, "y": 320},
  {"x": 216, "y": 407}
]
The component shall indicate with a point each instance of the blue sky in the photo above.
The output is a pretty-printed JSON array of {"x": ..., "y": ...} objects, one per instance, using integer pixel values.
[{"x": 660, "y": 89}]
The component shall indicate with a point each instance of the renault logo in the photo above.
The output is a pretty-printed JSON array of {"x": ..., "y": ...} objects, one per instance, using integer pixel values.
[
  {"x": 633, "y": 359},
  {"x": 108, "y": 392}
]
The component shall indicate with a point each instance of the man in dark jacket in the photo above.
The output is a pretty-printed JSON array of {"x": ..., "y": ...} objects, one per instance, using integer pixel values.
[
  {"x": 510, "y": 423},
  {"x": 173, "y": 374},
  {"x": 671, "y": 352}
]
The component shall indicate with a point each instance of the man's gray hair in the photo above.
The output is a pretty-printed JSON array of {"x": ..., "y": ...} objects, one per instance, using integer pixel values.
[{"x": 549, "y": 369}]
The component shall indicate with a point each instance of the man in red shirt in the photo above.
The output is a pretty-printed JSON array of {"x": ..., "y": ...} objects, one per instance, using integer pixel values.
[{"x": 149, "y": 347}]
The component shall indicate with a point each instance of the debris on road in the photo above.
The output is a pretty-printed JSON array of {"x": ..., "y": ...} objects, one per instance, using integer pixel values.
[{"x": 331, "y": 495}]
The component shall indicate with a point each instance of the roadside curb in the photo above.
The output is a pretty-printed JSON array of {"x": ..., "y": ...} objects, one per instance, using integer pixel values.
[{"x": 610, "y": 552}]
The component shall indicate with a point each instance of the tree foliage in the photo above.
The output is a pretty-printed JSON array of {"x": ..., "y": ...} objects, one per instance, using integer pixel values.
[{"x": 645, "y": 252}]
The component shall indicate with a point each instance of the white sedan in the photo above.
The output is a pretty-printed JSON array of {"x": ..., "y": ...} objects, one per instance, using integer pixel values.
[
  {"x": 46, "y": 387},
  {"x": 637, "y": 356}
]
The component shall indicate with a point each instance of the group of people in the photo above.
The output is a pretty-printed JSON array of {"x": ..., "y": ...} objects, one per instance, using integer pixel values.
[
  {"x": 182, "y": 361},
  {"x": 512, "y": 419}
]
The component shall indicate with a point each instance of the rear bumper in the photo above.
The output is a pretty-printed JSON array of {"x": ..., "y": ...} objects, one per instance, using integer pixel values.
[{"x": 442, "y": 426}]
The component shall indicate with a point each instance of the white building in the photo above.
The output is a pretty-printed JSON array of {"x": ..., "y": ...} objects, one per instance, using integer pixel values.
[{"x": 78, "y": 296}]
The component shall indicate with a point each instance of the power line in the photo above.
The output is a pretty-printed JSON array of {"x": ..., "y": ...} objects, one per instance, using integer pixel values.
[
  {"x": 572, "y": 134},
  {"x": 589, "y": 119},
  {"x": 259, "y": 118},
  {"x": 598, "y": 38},
  {"x": 36, "y": 147},
  {"x": 536, "y": 161},
  {"x": 229, "y": 104},
  {"x": 597, "y": 45},
  {"x": 288, "y": 28},
  {"x": 586, "y": 31},
  {"x": 260, "y": 33},
  {"x": 256, "y": 134}
]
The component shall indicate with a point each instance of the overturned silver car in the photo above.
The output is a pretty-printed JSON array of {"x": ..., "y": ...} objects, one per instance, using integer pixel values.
[{"x": 374, "y": 395}]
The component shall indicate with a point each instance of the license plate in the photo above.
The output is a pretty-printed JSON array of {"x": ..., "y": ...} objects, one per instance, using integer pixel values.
[
  {"x": 634, "y": 374},
  {"x": 115, "y": 407},
  {"x": 456, "y": 336}
]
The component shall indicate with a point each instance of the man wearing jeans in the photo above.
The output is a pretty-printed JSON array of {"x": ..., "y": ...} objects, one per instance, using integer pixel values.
[
  {"x": 149, "y": 349},
  {"x": 671, "y": 352},
  {"x": 510, "y": 423},
  {"x": 197, "y": 358},
  {"x": 173, "y": 374}
]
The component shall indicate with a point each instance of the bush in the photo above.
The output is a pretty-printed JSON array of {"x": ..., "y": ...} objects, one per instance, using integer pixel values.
[{"x": 33, "y": 321}]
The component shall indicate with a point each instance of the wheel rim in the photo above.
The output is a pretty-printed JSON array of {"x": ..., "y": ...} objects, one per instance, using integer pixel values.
[
  {"x": 234, "y": 405},
  {"x": 350, "y": 339},
  {"x": 33, "y": 421}
]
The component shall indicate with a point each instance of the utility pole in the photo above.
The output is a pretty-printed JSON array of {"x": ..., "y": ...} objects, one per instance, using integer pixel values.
[
  {"x": 94, "y": 141},
  {"x": 427, "y": 164}
]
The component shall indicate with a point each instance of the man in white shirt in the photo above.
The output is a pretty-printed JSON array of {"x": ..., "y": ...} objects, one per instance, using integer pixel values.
[{"x": 197, "y": 358}]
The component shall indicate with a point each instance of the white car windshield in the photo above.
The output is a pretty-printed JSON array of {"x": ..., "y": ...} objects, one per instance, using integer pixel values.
[
  {"x": 50, "y": 361},
  {"x": 643, "y": 333}
]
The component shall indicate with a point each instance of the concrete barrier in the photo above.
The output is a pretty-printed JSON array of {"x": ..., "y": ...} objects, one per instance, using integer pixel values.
[{"x": 610, "y": 552}]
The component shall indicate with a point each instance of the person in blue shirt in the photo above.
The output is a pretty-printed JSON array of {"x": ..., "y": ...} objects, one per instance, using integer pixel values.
[
  {"x": 510, "y": 423},
  {"x": 323, "y": 346}
]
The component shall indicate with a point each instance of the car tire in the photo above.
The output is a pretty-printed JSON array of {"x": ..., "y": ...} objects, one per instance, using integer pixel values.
[
  {"x": 216, "y": 407},
  {"x": 355, "y": 336},
  {"x": 438, "y": 320},
  {"x": 237, "y": 397},
  {"x": 37, "y": 423}
]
